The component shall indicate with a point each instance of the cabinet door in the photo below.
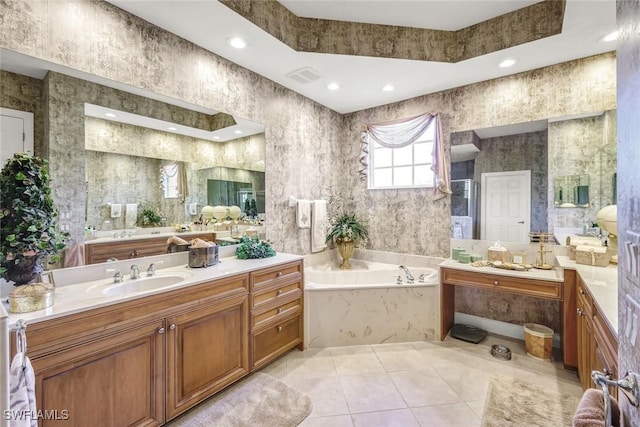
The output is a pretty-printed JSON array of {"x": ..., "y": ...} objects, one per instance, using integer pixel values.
[
  {"x": 112, "y": 382},
  {"x": 207, "y": 349},
  {"x": 586, "y": 347}
]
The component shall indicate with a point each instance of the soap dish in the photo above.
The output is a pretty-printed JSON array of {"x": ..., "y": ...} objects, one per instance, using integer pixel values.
[{"x": 500, "y": 352}]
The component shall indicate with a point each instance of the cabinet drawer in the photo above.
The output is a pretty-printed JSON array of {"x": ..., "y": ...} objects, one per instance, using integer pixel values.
[
  {"x": 272, "y": 295},
  {"x": 273, "y": 341},
  {"x": 516, "y": 285},
  {"x": 276, "y": 275},
  {"x": 285, "y": 310}
]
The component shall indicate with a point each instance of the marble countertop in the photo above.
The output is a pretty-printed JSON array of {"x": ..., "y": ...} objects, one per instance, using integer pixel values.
[
  {"x": 166, "y": 234},
  {"x": 602, "y": 282},
  {"x": 554, "y": 275},
  {"x": 75, "y": 298}
]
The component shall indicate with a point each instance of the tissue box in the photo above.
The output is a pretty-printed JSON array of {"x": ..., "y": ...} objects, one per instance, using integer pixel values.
[
  {"x": 575, "y": 241},
  {"x": 592, "y": 255},
  {"x": 203, "y": 257}
]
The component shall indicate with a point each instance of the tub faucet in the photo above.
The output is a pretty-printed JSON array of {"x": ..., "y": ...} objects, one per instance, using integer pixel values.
[{"x": 407, "y": 273}]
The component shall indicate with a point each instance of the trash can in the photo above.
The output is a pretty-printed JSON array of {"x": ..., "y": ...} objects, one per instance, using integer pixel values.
[{"x": 538, "y": 340}]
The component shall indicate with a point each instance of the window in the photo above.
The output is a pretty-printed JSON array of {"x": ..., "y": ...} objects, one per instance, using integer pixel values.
[
  {"x": 404, "y": 167},
  {"x": 170, "y": 181}
]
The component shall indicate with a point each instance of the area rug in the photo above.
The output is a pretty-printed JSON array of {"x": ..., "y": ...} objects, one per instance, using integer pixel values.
[
  {"x": 259, "y": 400},
  {"x": 514, "y": 403}
]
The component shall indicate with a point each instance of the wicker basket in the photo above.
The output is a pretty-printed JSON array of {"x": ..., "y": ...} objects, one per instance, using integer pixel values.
[
  {"x": 538, "y": 341},
  {"x": 31, "y": 297}
]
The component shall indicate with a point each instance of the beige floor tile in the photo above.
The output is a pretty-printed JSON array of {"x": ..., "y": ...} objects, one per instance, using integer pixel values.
[
  {"x": 277, "y": 369},
  {"x": 455, "y": 415},
  {"x": 469, "y": 383},
  {"x": 393, "y": 418},
  {"x": 354, "y": 363},
  {"x": 350, "y": 350},
  {"x": 371, "y": 392},
  {"x": 401, "y": 359},
  {"x": 326, "y": 395},
  {"x": 421, "y": 388},
  {"x": 477, "y": 406},
  {"x": 311, "y": 366},
  {"x": 335, "y": 421}
]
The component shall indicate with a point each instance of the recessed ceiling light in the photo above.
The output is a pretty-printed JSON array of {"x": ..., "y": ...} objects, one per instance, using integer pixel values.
[
  {"x": 109, "y": 115},
  {"x": 507, "y": 63},
  {"x": 172, "y": 128},
  {"x": 237, "y": 42},
  {"x": 333, "y": 86},
  {"x": 237, "y": 132},
  {"x": 388, "y": 88},
  {"x": 611, "y": 37},
  {"x": 216, "y": 137}
]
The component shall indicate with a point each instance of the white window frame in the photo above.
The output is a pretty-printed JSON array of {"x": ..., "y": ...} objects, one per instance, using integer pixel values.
[{"x": 428, "y": 136}]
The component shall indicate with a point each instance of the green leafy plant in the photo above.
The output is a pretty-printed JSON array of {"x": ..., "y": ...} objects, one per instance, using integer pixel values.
[
  {"x": 28, "y": 219},
  {"x": 347, "y": 227},
  {"x": 149, "y": 218},
  {"x": 252, "y": 247}
]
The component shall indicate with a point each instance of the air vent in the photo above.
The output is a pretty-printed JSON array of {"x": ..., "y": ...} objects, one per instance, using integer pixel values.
[{"x": 304, "y": 75}]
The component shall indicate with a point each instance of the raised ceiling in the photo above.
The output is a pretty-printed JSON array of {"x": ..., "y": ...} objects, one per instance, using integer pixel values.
[{"x": 209, "y": 23}]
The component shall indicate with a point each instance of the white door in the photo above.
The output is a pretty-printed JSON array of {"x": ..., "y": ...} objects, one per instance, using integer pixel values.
[
  {"x": 16, "y": 133},
  {"x": 506, "y": 206}
]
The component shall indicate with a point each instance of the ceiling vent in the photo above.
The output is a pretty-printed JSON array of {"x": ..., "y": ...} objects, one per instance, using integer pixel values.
[{"x": 304, "y": 75}]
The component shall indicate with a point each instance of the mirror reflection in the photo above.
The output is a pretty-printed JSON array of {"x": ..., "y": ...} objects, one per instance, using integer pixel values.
[
  {"x": 571, "y": 191},
  {"x": 575, "y": 153},
  {"x": 136, "y": 168}
]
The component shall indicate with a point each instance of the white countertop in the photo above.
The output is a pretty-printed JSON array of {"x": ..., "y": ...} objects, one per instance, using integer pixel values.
[
  {"x": 554, "y": 275},
  {"x": 149, "y": 235},
  {"x": 602, "y": 282},
  {"x": 80, "y": 297}
]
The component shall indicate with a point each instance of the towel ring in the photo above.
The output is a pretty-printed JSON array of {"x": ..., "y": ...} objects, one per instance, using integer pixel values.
[
  {"x": 21, "y": 340},
  {"x": 628, "y": 385}
]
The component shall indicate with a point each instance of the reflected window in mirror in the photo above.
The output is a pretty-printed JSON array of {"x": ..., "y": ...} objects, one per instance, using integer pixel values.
[{"x": 169, "y": 180}]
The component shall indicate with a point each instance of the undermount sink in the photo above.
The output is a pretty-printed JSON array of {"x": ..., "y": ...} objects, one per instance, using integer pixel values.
[{"x": 141, "y": 285}]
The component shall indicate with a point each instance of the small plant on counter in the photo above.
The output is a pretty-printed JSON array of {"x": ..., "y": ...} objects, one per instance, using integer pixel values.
[
  {"x": 252, "y": 248},
  {"x": 149, "y": 218},
  {"x": 28, "y": 228}
]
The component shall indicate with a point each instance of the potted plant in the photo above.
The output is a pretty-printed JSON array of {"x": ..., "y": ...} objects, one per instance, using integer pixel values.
[
  {"x": 28, "y": 219},
  {"x": 346, "y": 230},
  {"x": 149, "y": 218}
]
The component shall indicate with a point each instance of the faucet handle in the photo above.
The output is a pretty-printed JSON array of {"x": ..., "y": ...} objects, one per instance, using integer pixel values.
[
  {"x": 134, "y": 272},
  {"x": 421, "y": 278},
  {"x": 117, "y": 276},
  {"x": 398, "y": 280},
  {"x": 151, "y": 271}
]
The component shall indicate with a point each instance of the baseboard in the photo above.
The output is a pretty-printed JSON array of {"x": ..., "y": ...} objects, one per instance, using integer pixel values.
[{"x": 497, "y": 327}]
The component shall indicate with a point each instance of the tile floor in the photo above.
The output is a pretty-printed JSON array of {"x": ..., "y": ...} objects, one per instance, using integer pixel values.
[{"x": 429, "y": 383}]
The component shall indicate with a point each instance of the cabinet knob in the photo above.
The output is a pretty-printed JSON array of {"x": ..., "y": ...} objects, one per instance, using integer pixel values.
[
  {"x": 161, "y": 331},
  {"x": 579, "y": 311},
  {"x": 172, "y": 326},
  {"x": 495, "y": 283},
  {"x": 581, "y": 291},
  {"x": 279, "y": 273},
  {"x": 279, "y": 292},
  {"x": 279, "y": 328},
  {"x": 279, "y": 311}
]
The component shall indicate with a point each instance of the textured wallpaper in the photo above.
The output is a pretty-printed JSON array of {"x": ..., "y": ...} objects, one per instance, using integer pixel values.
[{"x": 628, "y": 14}]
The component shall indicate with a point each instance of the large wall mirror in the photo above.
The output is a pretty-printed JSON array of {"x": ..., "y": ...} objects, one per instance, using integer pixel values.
[{"x": 577, "y": 154}]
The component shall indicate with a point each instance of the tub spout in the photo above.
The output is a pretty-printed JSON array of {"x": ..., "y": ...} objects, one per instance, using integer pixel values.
[{"x": 407, "y": 273}]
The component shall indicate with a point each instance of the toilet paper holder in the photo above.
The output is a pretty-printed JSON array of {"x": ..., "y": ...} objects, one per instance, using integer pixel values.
[{"x": 627, "y": 384}]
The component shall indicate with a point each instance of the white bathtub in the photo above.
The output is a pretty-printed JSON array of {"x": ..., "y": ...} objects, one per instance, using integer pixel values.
[
  {"x": 364, "y": 305},
  {"x": 365, "y": 274}
]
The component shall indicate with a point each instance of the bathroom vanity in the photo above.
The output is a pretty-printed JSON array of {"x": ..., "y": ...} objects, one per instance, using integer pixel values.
[
  {"x": 100, "y": 250},
  {"x": 143, "y": 358}
]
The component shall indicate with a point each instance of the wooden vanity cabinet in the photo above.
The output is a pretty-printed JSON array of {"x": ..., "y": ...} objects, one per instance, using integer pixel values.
[
  {"x": 597, "y": 343},
  {"x": 127, "y": 248},
  {"x": 276, "y": 312},
  {"x": 144, "y": 361}
]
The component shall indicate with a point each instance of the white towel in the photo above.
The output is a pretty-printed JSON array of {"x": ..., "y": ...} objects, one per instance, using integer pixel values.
[
  {"x": 116, "y": 210},
  {"x": 303, "y": 213},
  {"x": 318, "y": 225},
  {"x": 131, "y": 215},
  {"x": 22, "y": 392}
]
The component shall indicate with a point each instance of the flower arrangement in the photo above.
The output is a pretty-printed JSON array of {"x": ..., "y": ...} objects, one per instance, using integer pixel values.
[
  {"x": 252, "y": 248},
  {"x": 149, "y": 218},
  {"x": 347, "y": 227}
]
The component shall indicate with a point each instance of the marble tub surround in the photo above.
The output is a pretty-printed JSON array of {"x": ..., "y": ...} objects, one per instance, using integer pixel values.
[
  {"x": 75, "y": 297},
  {"x": 336, "y": 316}
]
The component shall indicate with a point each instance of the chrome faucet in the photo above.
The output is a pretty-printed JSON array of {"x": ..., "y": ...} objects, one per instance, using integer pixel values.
[
  {"x": 410, "y": 278},
  {"x": 134, "y": 273},
  {"x": 117, "y": 276}
]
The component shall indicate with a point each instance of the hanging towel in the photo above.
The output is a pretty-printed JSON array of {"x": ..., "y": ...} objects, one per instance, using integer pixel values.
[
  {"x": 318, "y": 225},
  {"x": 131, "y": 215},
  {"x": 303, "y": 213},
  {"x": 590, "y": 411},
  {"x": 22, "y": 392},
  {"x": 74, "y": 256},
  {"x": 116, "y": 210}
]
